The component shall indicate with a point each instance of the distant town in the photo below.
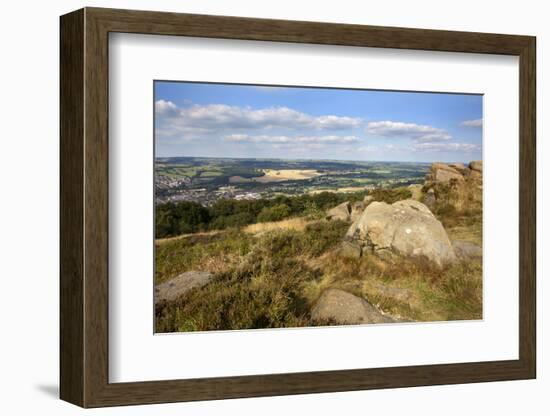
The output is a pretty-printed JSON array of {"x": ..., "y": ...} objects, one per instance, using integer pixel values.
[{"x": 207, "y": 180}]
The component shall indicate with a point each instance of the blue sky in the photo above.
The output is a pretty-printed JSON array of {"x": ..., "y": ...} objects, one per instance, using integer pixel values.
[{"x": 223, "y": 120}]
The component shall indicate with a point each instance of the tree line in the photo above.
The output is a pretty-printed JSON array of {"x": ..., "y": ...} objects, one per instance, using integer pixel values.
[{"x": 175, "y": 218}]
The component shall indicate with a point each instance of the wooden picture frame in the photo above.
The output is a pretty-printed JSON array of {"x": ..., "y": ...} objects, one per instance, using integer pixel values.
[{"x": 84, "y": 207}]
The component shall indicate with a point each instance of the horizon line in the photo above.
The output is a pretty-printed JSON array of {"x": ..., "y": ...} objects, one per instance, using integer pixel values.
[{"x": 309, "y": 159}]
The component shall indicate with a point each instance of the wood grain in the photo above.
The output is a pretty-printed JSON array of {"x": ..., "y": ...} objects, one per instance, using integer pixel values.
[
  {"x": 84, "y": 207},
  {"x": 71, "y": 100}
]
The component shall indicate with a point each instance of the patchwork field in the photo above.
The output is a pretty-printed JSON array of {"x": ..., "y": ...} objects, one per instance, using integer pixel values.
[
  {"x": 206, "y": 180},
  {"x": 272, "y": 175}
]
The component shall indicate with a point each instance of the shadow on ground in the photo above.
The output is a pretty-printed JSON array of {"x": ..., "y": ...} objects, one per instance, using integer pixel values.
[{"x": 51, "y": 390}]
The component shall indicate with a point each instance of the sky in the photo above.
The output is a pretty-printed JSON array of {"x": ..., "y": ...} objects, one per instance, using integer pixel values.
[{"x": 247, "y": 121}]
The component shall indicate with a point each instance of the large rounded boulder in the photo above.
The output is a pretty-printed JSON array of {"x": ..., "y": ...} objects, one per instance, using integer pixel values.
[{"x": 406, "y": 228}]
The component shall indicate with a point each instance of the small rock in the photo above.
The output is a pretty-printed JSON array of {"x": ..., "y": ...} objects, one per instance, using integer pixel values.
[
  {"x": 340, "y": 212},
  {"x": 344, "y": 308},
  {"x": 467, "y": 250},
  {"x": 476, "y": 165},
  {"x": 429, "y": 198},
  {"x": 174, "y": 288},
  {"x": 350, "y": 249},
  {"x": 367, "y": 200}
]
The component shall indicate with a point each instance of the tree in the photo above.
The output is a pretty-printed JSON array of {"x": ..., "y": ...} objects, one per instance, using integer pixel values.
[{"x": 183, "y": 217}]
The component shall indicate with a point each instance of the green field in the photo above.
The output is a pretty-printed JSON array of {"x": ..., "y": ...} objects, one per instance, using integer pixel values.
[{"x": 256, "y": 176}]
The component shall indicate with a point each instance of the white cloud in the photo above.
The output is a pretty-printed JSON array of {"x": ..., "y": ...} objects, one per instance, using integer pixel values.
[
  {"x": 473, "y": 123},
  {"x": 417, "y": 132},
  {"x": 446, "y": 147},
  {"x": 215, "y": 117},
  {"x": 163, "y": 107},
  {"x": 245, "y": 138},
  {"x": 336, "y": 122}
]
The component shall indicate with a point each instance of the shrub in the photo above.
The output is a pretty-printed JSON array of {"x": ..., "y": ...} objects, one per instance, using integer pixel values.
[
  {"x": 261, "y": 294},
  {"x": 203, "y": 252},
  {"x": 188, "y": 217},
  {"x": 234, "y": 220},
  {"x": 184, "y": 217},
  {"x": 444, "y": 210},
  {"x": 322, "y": 236},
  {"x": 316, "y": 239},
  {"x": 462, "y": 291},
  {"x": 390, "y": 195},
  {"x": 275, "y": 213}
]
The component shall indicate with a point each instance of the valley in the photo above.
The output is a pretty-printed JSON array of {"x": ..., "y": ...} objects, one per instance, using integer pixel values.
[{"x": 206, "y": 180}]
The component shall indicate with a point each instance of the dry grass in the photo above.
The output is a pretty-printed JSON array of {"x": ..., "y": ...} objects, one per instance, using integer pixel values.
[
  {"x": 462, "y": 231},
  {"x": 213, "y": 252},
  {"x": 272, "y": 175},
  {"x": 161, "y": 241},
  {"x": 408, "y": 290},
  {"x": 296, "y": 224},
  {"x": 459, "y": 207},
  {"x": 350, "y": 189}
]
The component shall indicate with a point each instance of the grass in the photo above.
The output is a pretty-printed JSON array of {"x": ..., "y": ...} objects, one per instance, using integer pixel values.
[
  {"x": 178, "y": 171},
  {"x": 212, "y": 252},
  {"x": 270, "y": 275},
  {"x": 466, "y": 227},
  {"x": 211, "y": 173},
  {"x": 459, "y": 208},
  {"x": 161, "y": 241},
  {"x": 453, "y": 293},
  {"x": 265, "y": 290},
  {"x": 390, "y": 195},
  {"x": 296, "y": 224},
  {"x": 263, "y": 295}
]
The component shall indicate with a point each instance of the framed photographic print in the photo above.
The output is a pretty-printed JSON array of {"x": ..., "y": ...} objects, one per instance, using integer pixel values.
[{"x": 255, "y": 207}]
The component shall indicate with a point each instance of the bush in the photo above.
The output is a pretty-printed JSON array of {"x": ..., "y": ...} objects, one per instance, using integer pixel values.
[
  {"x": 322, "y": 236},
  {"x": 316, "y": 239},
  {"x": 181, "y": 218},
  {"x": 189, "y": 217},
  {"x": 390, "y": 196},
  {"x": 444, "y": 210},
  {"x": 234, "y": 220},
  {"x": 275, "y": 213}
]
